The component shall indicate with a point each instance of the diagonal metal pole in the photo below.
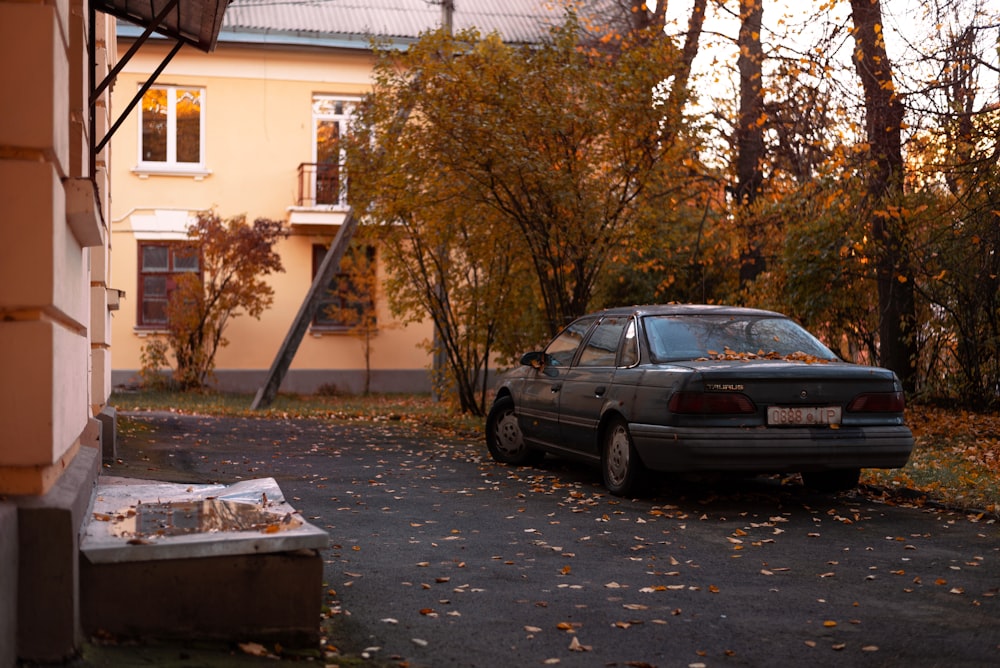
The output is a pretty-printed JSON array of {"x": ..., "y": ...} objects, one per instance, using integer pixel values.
[{"x": 327, "y": 270}]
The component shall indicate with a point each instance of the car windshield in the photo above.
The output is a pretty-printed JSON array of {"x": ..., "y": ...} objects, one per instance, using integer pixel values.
[{"x": 686, "y": 337}]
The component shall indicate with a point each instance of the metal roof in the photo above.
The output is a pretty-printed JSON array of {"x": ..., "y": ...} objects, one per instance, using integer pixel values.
[
  {"x": 347, "y": 21},
  {"x": 195, "y": 22}
]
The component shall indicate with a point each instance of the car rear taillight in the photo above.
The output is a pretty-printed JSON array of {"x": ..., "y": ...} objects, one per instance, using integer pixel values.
[
  {"x": 877, "y": 402},
  {"x": 710, "y": 403}
]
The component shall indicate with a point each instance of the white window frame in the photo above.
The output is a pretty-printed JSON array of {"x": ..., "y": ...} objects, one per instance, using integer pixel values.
[
  {"x": 343, "y": 120},
  {"x": 171, "y": 166}
]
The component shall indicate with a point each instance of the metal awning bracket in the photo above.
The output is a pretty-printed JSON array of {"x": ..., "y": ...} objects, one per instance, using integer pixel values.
[
  {"x": 138, "y": 97},
  {"x": 97, "y": 90},
  {"x": 122, "y": 62}
]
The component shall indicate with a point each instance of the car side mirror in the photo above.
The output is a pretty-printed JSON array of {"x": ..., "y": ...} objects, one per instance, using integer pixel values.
[{"x": 536, "y": 360}]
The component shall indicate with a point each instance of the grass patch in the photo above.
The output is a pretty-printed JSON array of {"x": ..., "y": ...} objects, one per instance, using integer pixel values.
[
  {"x": 376, "y": 407},
  {"x": 955, "y": 461}
]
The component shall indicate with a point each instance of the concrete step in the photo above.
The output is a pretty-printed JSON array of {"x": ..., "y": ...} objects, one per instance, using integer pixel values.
[{"x": 236, "y": 562}]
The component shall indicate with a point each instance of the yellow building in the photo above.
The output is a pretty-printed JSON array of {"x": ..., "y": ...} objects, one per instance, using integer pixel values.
[{"x": 252, "y": 129}]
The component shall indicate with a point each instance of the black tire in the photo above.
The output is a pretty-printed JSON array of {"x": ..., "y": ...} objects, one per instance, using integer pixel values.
[
  {"x": 837, "y": 480},
  {"x": 503, "y": 436},
  {"x": 624, "y": 473}
]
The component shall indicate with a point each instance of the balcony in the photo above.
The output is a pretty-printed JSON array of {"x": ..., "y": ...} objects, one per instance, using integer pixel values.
[
  {"x": 321, "y": 185},
  {"x": 322, "y": 195}
]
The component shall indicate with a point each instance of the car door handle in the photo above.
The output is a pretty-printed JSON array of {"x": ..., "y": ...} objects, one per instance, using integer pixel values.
[
  {"x": 556, "y": 387},
  {"x": 599, "y": 392}
]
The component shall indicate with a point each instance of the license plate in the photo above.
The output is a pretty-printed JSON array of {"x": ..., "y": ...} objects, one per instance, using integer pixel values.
[{"x": 803, "y": 415}]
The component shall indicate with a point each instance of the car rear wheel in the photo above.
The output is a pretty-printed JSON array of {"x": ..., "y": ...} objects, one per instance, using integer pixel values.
[
  {"x": 623, "y": 471},
  {"x": 836, "y": 480},
  {"x": 503, "y": 436}
]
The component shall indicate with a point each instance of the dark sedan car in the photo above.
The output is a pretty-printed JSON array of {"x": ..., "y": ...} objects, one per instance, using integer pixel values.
[{"x": 688, "y": 388}]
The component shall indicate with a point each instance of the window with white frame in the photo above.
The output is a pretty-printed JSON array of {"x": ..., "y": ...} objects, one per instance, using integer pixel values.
[
  {"x": 331, "y": 118},
  {"x": 172, "y": 129}
]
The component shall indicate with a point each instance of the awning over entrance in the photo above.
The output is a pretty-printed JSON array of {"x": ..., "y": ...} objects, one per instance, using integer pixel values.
[{"x": 194, "y": 22}]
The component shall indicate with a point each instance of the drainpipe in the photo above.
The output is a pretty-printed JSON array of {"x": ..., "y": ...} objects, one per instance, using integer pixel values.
[{"x": 91, "y": 82}]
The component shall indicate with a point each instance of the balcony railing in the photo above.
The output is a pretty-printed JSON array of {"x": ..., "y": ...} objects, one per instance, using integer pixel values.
[{"x": 321, "y": 185}]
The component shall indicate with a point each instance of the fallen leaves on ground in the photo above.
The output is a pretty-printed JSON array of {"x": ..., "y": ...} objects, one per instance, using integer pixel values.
[
  {"x": 955, "y": 460},
  {"x": 255, "y": 649}
]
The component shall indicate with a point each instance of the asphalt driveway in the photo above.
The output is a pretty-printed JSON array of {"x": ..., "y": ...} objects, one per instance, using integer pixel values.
[{"x": 440, "y": 557}]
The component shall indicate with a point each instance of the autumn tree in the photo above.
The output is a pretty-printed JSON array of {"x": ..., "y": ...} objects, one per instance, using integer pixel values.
[
  {"x": 884, "y": 181},
  {"x": 568, "y": 145},
  {"x": 679, "y": 252},
  {"x": 800, "y": 126},
  {"x": 453, "y": 262},
  {"x": 821, "y": 273},
  {"x": 803, "y": 247},
  {"x": 516, "y": 175},
  {"x": 446, "y": 256},
  {"x": 749, "y": 139},
  {"x": 883, "y": 224},
  {"x": 234, "y": 256},
  {"x": 954, "y": 171}
]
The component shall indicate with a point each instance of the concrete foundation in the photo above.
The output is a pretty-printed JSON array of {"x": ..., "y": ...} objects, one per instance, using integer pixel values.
[
  {"x": 267, "y": 598},
  {"x": 109, "y": 434},
  {"x": 8, "y": 585},
  {"x": 48, "y": 576},
  {"x": 163, "y": 560}
]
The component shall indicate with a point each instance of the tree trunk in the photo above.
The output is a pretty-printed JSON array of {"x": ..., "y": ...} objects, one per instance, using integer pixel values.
[
  {"x": 883, "y": 123},
  {"x": 678, "y": 89},
  {"x": 750, "y": 136}
]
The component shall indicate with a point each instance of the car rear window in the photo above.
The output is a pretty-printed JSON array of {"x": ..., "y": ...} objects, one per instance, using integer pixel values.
[{"x": 674, "y": 338}]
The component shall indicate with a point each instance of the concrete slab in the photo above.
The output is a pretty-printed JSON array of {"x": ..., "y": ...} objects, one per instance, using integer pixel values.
[
  {"x": 139, "y": 520},
  {"x": 166, "y": 560}
]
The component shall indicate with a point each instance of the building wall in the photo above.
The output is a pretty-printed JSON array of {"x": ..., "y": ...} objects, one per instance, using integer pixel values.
[
  {"x": 52, "y": 259},
  {"x": 258, "y": 129},
  {"x": 54, "y": 339}
]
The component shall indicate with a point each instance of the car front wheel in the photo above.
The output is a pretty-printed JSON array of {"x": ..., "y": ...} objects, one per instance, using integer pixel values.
[
  {"x": 623, "y": 471},
  {"x": 503, "y": 436}
]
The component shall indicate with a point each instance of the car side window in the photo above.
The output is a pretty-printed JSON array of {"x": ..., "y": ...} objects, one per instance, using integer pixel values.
[
  {"x": 630, "y": 346},
  {"x": 562, "y": 349},
  {"x": 602, "y": 346}
]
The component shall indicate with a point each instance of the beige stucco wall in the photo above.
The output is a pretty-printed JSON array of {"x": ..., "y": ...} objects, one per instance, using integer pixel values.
[
  {"x": 53, "y": 229},
  {"x": 258, "y": 106}
]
